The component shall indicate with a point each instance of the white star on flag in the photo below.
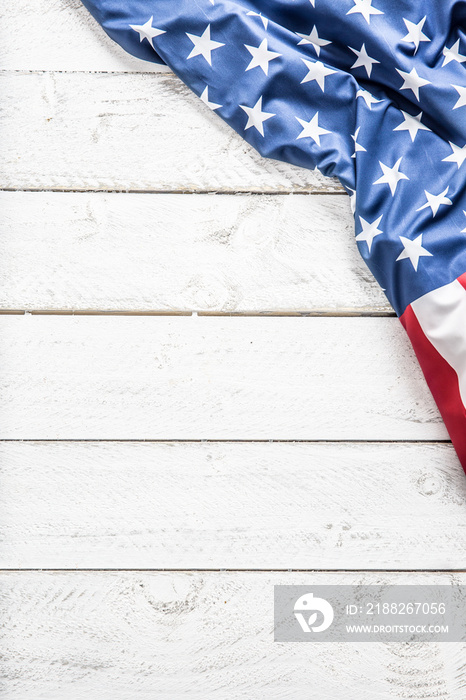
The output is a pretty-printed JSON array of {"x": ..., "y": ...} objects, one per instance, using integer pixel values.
[
  {"x": 369, "y": 231},
  {"x": 311, "y": 129},
  {"x": 413, "y": 250},
  {"x": 435, "y": 200},
  {"x": 453, "y": 54},
  {"x": 412, "y": 81},
  {"x": 357, "y": 146},
  {"x": 458, "y": 155},
  {"x": 367, "y": 97},
  {"x": 265, "y": 21},
  {"x": 363, "y": 60},
  {"x": 205, "y": 99},
  {"x": 256, "y": 117},
  {"x": 364, "y": 7},
  {"x": 147, "y": 31},
  {"x": 317, "y": 72},
  {"x": 391, "y": 176},
  {"x": 462, "y": 96},
  {"x": 464, "y": 230},
  {"x": 412, "y": 124},
  {"x": 313, "y": 39},
  {"x": 203, "y": 45},
  {"x": 415, "y": 34},
  {"x": 261, "y": 56}
]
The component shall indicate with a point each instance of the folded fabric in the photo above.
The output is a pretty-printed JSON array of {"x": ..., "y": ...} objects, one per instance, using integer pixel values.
[{"x": 370, "y": 91}]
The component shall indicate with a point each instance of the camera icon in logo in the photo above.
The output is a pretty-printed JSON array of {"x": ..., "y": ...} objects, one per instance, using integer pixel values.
[{"x": 308, "y": 604}]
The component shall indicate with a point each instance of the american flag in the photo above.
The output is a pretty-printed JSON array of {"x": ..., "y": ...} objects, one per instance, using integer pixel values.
[{"x": 370, "y": 91}]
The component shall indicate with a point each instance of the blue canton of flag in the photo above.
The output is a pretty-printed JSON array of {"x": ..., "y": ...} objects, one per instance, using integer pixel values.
[{"x": 370, "y": 91}]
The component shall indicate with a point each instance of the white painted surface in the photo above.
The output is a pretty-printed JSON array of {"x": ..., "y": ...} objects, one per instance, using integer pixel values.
[
  {"x": 158, "y": 377},
  {"x": 121, "y": 636},
  {"x": 171, "y": 253},
  {"x": 80, "y": 45},
  {"x": 113, "y": 635},
  {"x": 231, "y": 505},
  {"x": 128, "y": 132}
]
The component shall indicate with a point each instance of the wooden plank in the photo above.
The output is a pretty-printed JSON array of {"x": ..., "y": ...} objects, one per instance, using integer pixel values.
[
  {"x": 233, "y": 505},
  {"x": 182, "y": 377},
  {"x": 216, "y": 253},
  {"x": 128, "y": 132},
  {"x": 61, "y": 36},
  {"x": 134, "y": 636}
]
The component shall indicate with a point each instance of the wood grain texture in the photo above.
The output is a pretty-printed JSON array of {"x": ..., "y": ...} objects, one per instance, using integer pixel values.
[
  {"x": 80, "y": 44},
  {"x": 231, "y": 505},
  {"x": 171, "y": 253},
  {"x": 121, "y": 636},
  {"x": 183, "y": 377},
  {"x": 129, "y": 132}
]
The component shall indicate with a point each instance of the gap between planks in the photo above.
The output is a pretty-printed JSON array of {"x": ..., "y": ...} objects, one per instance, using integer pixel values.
[
  {"x": 239, "y": 570},
  {"x": 316, "y": 313},
  {"x": 92, "y": 72},
  {"x": 194, "y": 190},
  {"x": 345, "y": 441}
]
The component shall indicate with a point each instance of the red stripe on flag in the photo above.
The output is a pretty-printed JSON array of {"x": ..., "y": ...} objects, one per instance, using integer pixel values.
[
  {"x": 462, "y": 280},
  {"x": 441, "y": 379}
]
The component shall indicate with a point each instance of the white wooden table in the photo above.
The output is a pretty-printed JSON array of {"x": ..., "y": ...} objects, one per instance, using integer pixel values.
[{"x": 203, "y": 394}]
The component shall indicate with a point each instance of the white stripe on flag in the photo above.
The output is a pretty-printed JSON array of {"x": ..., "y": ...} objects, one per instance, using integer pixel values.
[{"x": 442, "y": 317}]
